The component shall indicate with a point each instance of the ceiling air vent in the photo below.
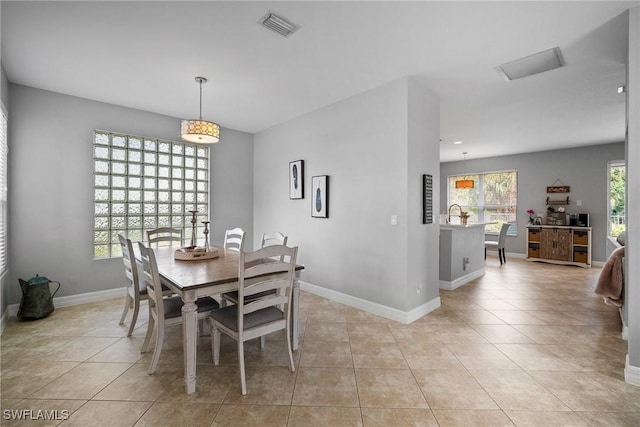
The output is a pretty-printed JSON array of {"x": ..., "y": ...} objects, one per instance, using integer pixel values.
[
  {"x": 277, "y": 24},
  {"x": 533, "y": 64}
]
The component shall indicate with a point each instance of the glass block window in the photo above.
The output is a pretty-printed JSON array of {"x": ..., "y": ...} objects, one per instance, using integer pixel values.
[{"x": 144, "y": 183}]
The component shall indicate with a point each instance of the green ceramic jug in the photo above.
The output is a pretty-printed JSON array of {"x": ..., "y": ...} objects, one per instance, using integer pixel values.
[{"x": 37, "y": 299}]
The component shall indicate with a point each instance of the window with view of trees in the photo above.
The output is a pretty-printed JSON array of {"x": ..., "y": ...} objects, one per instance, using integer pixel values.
[
  {"x": 494, "y": 198},
  {"x": 617, "y": 189},
  {"x": 144, "y": 183}
]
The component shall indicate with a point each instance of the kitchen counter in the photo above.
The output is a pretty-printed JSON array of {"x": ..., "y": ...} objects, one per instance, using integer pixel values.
[{"x": 461, "y": 254}]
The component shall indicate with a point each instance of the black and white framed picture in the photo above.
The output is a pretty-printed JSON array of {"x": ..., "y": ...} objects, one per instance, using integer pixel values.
[
  {"x": 296, "y": 179},
  {"x": 427, "y": 199},
  {"x": 320, "y": 196}
]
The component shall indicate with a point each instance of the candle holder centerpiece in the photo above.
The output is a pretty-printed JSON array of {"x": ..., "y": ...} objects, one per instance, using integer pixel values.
[{"x": 194, "y": 252}]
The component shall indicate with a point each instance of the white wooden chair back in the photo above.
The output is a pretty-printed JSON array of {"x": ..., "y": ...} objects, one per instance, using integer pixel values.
[
  {"x": 164, "y": 235},
  {"x": 130, "y": 266},
  {"x": 270, "y": 239},
  {"x": 152, "y": 281},
  {"x": 234, "y": 239}
]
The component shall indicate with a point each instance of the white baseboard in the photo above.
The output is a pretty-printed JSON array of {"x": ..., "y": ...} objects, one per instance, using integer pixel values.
[
  {"x": 405, "y": 317},
  {"x": 3, "y": 320},
  {"x": 70, "y": 300},
  {"x": 625, "y": 329},
  {"x": 449, "y": 286},
  {"x": 631, "y": 373}
]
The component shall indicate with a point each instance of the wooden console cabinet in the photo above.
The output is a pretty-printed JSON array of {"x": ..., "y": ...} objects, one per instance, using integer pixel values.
[{"x": 558, "y": 244}]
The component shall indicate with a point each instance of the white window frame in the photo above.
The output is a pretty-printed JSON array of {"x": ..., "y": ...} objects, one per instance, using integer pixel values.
[
  {"x": 4, "y": 153},
  {"x": 143, "y": 183},
  {"x": 478, "y": 211},
  {"x": 611, "y": 164}
]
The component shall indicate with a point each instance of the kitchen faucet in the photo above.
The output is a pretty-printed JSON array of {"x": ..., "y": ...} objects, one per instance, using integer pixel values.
[{"x": 459, "y": 210}]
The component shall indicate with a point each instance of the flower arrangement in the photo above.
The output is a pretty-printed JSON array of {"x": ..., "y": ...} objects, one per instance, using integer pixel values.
[
  {"x": 464, "y": 216},
  {"x": 530, "y": 212}
]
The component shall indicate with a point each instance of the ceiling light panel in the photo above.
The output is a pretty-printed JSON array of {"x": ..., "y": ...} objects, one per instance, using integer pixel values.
[
  {"x": 277, "y": 24},
  {"x": 533, "y": 64}
]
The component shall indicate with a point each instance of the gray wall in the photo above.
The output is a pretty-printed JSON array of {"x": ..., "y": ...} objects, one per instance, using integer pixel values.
[
  {"x": 374, "y": 147},
  {"x": 51, "y": 185},
  {"x": 632, "y": 289},
  {"x": 584, "y": 169}
]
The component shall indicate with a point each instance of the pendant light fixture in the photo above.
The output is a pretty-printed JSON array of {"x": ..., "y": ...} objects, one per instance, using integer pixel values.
[
  {"x": 200, "y": 131},
  {"x": 464, "y": 183}
]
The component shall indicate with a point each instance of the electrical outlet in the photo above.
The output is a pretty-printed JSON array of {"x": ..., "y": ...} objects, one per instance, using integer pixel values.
[
  {"x": 418, "y": 288},
  {"x": 578, "y": 202},
  {"x": 394, "y": 219}
]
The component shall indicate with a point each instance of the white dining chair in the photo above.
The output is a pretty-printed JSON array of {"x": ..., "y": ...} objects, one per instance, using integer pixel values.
[
  {"x": 134, "y": 294},
  {"x": 498, "y": 244},
  {"x": 268, "y": 239},
  {"x": 163, "y": 311},
  {"x": 234, "y": 239},
  {"x": 172, "y": 236},
  {"x": 248, "y": 320}
]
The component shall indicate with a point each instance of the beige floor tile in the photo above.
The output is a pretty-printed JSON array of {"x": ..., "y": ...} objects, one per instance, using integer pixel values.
[
  {"x": 326, "y": 354},
  {"x": 326, "y": 387},
  {"x": 213, "y": 385},
  {"x": 251, "y": 415},
  {"x": 445, "y": 316},
  {"x": 581, "y": 393},
  {"x": 371, "y": 354},
  {"x": 428, "y": 355},
  {"x": 136, "y": 384},
  {"x": 480, "y": 356},
  {"x": 495, "y": 304},
  {"x": 82, "y": 382},
  {"x": 611, "y": 419},
  {"x": 80, "y": 349},
  {"x": 452, "y": 389},
  {"x": 502, "y": 334},
  {"x": 479, "y": 317},
  {"x": 113, "y": 414},
  {"x": 126, "y": 350},
  {"x": 266, "y": 385},
  {"x": 535, "y": 357},
  {"x": 514, "y": 389},
  {"x": 389, "y": 388},
  {"x": 308, "y": 416},
  {"x": 414, "y": 332},
  {"x": 179, "y": 414},
  {"x": 22, "y": 381},
  {"x": 384, "y": 417},
  {"x": 326, "y": 331},
  {"x": 518, "y": 317},
  {"x": 477, "y": 418},
  {"x": 354, "y": 315},
  {"x": 547, "y": 419},
  {"x": 378, "y": 332}
]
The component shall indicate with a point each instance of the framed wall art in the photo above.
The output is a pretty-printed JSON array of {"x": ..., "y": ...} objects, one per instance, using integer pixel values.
[
  {"x": 296, "y": 179},
  {"x": 320, "y": 196},
  {"x": 427, "y": 199}
]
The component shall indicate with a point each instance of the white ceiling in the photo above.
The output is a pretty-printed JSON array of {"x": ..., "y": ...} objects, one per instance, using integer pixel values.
[{"x": 146, "y": 55}]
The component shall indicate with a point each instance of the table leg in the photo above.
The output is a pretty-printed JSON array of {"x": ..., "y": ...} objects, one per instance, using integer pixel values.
[
  {"x": 189, "y": 339},
  {"x": 295, "y": 314}
]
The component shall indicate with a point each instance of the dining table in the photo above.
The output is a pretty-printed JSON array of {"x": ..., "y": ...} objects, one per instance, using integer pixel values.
[{"x": 193, "y": 279}]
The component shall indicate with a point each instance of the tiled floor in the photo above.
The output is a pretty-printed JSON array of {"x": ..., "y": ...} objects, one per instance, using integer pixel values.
[{"x": 527, "y": 344}]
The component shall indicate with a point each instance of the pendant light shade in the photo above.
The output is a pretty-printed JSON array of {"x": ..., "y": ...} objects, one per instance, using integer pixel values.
[
  {"x": 200, "y": 131},
  {"x": 464, "y": 183}
]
